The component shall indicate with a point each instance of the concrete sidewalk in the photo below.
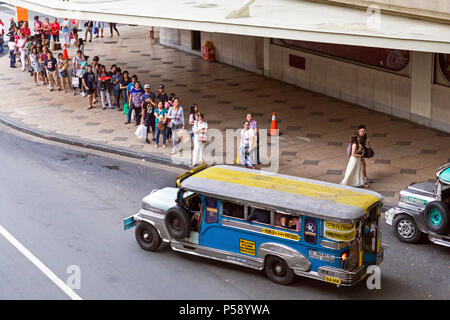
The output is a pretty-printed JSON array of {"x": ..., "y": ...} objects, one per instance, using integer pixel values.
[{"x": 315, "y": 128}]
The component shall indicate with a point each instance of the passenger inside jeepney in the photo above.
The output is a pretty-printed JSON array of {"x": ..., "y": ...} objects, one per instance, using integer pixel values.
[
  {"x": 259, "y": 215},
  {"x": 286, "y": 221},
  {"x": 194, "y": 205}
]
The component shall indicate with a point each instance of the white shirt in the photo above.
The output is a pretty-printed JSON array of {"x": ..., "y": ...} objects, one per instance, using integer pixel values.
[
  {"x": 11, "y": 45},
  {"x": 199, "y": 126},
  {"x": 245, "y": 137}
]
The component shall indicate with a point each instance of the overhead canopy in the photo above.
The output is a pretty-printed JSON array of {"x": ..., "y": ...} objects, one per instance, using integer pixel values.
[{"x": 286, "y": 19}]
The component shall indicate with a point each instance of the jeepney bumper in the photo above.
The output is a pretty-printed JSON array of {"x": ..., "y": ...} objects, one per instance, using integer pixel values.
[{"x": 342, "y": 277}]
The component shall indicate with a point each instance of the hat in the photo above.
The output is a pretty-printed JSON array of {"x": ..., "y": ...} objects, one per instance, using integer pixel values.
[
  {"x": 161, "y": 86},
  {"x": 147, "y": 86}
]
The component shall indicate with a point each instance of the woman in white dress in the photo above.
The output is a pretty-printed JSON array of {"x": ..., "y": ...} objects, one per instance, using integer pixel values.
[
  {"x": 353, "y": 174},
  {"x": 199, "y": 129},
  {"x": 248, "y": 146}
]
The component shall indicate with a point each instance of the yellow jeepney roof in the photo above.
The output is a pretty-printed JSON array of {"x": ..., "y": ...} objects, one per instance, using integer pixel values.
[{"x": 281, "y": 192}]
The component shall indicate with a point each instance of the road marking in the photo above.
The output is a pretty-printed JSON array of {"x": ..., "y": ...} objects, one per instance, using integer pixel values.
[{"x": 61, "y": 284}]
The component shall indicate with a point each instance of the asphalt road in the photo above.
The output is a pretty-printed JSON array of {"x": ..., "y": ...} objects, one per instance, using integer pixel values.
[{"x": 66, "y": 207}]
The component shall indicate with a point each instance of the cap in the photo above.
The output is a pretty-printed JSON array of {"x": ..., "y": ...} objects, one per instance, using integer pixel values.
[
  {"x": 147, "y": 86},
  {"x": 161, "y": 86}
]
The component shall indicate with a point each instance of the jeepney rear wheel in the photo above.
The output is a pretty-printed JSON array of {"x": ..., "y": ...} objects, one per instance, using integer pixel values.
[
  {"x": 178, "y": 222},
  {"x": 278, "y": 271},
  {"x": 405, "y": 229},
  {"x": 147, "y": 236},
  {"x": 436, "y": 217}
]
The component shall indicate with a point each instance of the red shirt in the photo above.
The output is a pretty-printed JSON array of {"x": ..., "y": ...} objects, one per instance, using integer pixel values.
[
  {"x": 46, "y": 27},
  {"x": 26, "y": 31},
  {"x": 38, "y": 27},
  {"x": 55, "y": 28}
]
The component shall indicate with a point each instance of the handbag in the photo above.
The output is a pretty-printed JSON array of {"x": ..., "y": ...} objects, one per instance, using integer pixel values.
[
  {"x": 126, "y": 108},
  {"x": 368, "y": 152},
  {"x": 161, "y": 126}
]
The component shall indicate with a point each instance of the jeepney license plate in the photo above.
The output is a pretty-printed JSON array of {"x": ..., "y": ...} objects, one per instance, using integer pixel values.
[{"x": 332, "y": 280}]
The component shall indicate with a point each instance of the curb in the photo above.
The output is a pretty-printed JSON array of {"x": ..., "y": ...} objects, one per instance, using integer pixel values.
[{"x": 91, "y": 145}]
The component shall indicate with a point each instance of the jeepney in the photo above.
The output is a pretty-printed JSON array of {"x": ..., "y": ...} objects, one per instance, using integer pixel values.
[
  {"x": 284, "y": 225},
  {"x": 423, "y": 209}
]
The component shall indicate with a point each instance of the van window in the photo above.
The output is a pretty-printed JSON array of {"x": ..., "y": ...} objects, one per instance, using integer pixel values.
[
  {"x": 286, "y": 221},
  {"x": 258, "y": 215},
  {"x": 310, "y": 231},
  {"x": 211, "y": 210},
  {"x": 233, "y": 210}
]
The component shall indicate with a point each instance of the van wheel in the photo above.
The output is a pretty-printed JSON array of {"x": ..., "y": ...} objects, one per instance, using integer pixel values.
[
  {"x": 178, "y": 223},
  {"x": 147, "y": 237},
  {"x": 405, "y": 228},
  {"x": 278, "y": 271},
  {"x": 436, "y": 217}
]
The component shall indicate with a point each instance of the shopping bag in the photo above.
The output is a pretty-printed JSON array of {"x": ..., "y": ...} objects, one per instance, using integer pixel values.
[
  {"x": 95, "y": 30},
  {"x": 125, "y": 108},
  {"x": 141, "y": 132},
  {"x": 238, "y": 158},
  {"x": 75, "y": 82}
]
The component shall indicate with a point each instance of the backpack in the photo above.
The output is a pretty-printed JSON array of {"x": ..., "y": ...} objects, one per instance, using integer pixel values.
[{"x": 349, "y": 149}]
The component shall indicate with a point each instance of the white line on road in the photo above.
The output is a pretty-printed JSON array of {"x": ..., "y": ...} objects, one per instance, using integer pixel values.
[{"x": 63, "y": 286}]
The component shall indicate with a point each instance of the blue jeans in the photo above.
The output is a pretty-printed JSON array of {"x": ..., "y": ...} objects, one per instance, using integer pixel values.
[
  {"x": 157, "y": 135},
  {"x": 124, "y": 97},
  {"x": 12, "y": 59},
  {"x": 116, "y": 93}
]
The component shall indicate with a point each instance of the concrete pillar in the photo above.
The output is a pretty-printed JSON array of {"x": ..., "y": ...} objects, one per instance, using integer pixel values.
[
  {"x": 266, "y": 56},
  {"x": 421, "y": 82}
]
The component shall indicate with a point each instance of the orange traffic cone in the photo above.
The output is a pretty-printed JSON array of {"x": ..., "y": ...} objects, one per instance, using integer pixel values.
[
  {"x": 65, "y": 54},
  {"x": 273, "y": 128}
]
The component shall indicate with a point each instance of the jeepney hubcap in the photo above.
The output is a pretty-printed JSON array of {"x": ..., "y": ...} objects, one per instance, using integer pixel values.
[
  {"x": 176, "y": 224},
  {"x": 435, "y": 217},
  {"x": 279, "y": 269},
  {"x": 406, "y": 229},
  {"x": 146, "y": 235}
]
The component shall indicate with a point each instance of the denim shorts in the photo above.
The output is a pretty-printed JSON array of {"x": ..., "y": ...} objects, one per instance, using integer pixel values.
[{"x": 63, "y": 74}]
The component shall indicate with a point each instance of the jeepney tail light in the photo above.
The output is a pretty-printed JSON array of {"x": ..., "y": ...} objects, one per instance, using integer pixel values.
[
  {"x": 344, "y": 256},
  {"x": 344, "y": 259}
]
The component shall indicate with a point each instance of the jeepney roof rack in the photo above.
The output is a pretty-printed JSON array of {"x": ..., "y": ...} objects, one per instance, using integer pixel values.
[
  {"x": 189, "y": 173},
  {"x": 279, "y": 192}
]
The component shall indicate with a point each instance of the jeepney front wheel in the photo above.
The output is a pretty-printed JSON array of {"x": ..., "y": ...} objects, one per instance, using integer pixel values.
[
  {"x": 147, "y": 237},
  {"x": 405, "y": 229},
  {"x": 278, "y": 271}
]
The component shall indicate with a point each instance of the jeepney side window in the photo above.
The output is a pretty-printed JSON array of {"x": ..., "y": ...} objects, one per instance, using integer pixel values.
[
  {"x": 310, "y": 230},
  {"x": 211, "y": 210},
  {"x": 286, "y": 221},
  {"x": 258, "y": 215},
  {"x": 234, "y": 210}
]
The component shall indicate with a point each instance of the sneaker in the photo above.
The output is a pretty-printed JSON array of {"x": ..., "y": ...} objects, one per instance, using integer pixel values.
[
  {"x": 59, "y": 89},
  {"x": 164, "y": 145},
  {"x": 147, "y": 141},
  {"x": 51, "y": 89},
  {"x": 156, "y": 146},
  {"x": 367, "y": 180}
]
